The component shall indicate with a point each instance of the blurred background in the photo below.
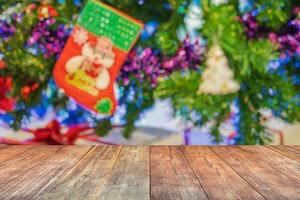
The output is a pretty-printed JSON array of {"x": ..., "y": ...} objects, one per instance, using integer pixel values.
[{"x": 202, "y": 72}]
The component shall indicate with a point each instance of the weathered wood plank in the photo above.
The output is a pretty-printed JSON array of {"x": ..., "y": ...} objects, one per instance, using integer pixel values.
[
  {"x": 15, "y": 163},
  {"x": 129, "y": 178},
  {"x": 283, "y": 164},
  {"x": 87, "y": 178},
  {"x": 269, "y": 182},
  {"x": 289, "y": 151},
  {"x": 171, "y": 175},
  {"x": 115, "y": 172},
  {"x": 34, "y": 180},
  {"x": 218, "y": 179},
  {"x": 3, "y": 146},
  {"x": 296, "y": 147},
  {"x": 11, "y": 151}
]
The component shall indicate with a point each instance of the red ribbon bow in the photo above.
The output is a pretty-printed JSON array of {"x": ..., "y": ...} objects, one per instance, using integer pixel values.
[{"x": 53, "y": 134}]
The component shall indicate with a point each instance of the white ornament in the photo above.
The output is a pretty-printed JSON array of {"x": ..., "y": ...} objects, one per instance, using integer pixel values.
[
  {"x": 219, "y": 2},
  {"x": 193, "y": 20},
  {"x": 217, "y": 79},
  {"x": 80, "y": 36}
]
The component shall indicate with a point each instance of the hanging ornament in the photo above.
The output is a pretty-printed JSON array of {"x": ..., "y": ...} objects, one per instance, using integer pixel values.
[
  {"x": 217, "y": 78},
  {"x": 94, "y": 54},
  {"x": 2, "y": 64},
  {"x": 29, "y": 89},
  {"x": 46, "y": 11},
  {"x": 219, "y": 2},
  {"x": 29, "y": 8},
  {"x": 7, "y": 103}
]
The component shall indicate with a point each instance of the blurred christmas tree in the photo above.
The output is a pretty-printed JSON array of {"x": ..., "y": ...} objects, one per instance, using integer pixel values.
[
  {"x": 252, "y": 62},
  {"x": 249, "y": 52}
]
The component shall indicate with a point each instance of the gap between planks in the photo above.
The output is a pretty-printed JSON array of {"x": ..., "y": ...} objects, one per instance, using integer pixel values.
[
  {"x": 288, "y": 151},
  {"x": 141, "y": 157},
  {"x": 113, "y": 172},
  {"x": 44, "y": 168},
  {"x": 171, "y": 176},
  {"x": 218, "y": 179},
  {"x": 252, "y": 166}
]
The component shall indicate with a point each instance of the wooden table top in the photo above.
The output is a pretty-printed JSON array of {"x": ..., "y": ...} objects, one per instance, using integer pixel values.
[{"x": 156, "y": 172}]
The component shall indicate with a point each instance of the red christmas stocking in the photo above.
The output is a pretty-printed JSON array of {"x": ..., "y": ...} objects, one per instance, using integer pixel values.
[{"x": 94, "y": 54}]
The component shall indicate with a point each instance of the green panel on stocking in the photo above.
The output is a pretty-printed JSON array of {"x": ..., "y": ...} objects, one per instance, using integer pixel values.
[{"x": 102, "y": 20}]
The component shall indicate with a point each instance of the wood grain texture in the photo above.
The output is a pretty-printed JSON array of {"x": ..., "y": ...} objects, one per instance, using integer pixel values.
[
  {"x": 130, "y": 177},
  {"x": 21, "y": 160},
  {"x": 49, "y": 169},
  {"x": 3, "y": 146},
  {"x": 8, "y": 151},
  {"x": 282, "y": 164},
  {"x": 272, "y": 184},
  {"x": 290, "y": 151},
  {"x": 218, "y": 179},
  {"x": 87, "y": 179},
  {"x": 297, "y": 147},
  {"x": 171, "y": 175},
  {"x": 140, "y": 172}
]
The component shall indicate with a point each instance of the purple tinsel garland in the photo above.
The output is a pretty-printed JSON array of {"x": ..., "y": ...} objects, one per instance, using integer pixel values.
[
  {"x": 288, "y": 39},
  {"x": 7, "y": 29},
  {"x": 48, "y": 37},
  {"x": 150, "y": 64},
  {"x": 250, "y": 24}
]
